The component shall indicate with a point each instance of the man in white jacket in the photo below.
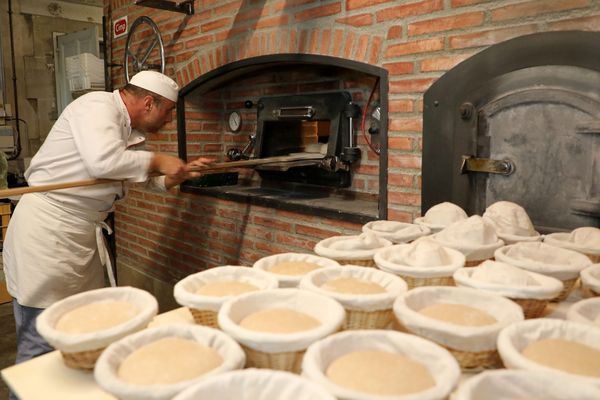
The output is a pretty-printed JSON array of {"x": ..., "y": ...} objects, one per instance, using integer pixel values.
[{"x": 54, "y": 246}]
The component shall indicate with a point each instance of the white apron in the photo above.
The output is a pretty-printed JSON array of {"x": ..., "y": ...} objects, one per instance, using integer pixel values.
[{"x": 53, "y": 251}]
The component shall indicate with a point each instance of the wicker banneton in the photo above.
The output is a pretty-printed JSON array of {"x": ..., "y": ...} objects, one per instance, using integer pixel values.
[
  {"x": 165, "y": 364},
  {"x": 413, "y": 282},
  {"x": 204, "y": 308},
  {"x": 469, "y": 360},
  {"x": 590, "y": 280},
  {"x": 362, "y": 263},
  {"x": 81, "y": 360},
  {"x": 472, "y": 346},
  {"x": 205, "y": 317},
  {"x": 584, "y": 240},
  {"x": 352, "y": 250},
  {"x": 474, "y": 263},
  {"x": 286, "y": 361},
  {"x": 81, "y": 350},
  {"x": 357, "y": 319},
  {"x": 556, "y": 262},
  {"x": 363, "y": 310},
  {"x": 282, "y": 351},
  {"x": 322, "y": 354},
  {"x": 521, "y": 384},
  {"x": 513, "y": 339},
  {"x": 569, "y": 285},
  {"x": 532, "y": 308},
  {"x": 530, "y": 290},
  {"x": 421, "y": 263}
]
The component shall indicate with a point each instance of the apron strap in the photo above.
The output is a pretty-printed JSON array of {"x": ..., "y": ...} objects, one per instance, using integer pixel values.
[{"x": 103, "y": 250}]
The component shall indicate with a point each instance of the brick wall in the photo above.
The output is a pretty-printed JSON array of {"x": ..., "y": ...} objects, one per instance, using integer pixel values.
[{"x": 171, "y": 235}]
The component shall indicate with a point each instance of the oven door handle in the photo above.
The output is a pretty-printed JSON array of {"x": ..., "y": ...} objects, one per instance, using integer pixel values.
[
  {"x": 486, "y": 165},
  {"x": 301, "y": 112}
]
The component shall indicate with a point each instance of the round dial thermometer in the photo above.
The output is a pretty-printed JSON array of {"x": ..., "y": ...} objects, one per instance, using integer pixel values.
[{"x": 235, "y": 121}]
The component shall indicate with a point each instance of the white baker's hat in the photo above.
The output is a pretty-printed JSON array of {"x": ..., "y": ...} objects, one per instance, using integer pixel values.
[{"x": 156, "y": 83}]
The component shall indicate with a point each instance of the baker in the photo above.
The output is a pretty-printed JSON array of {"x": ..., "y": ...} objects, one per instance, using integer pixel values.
[{"x": 54, "y": 245}]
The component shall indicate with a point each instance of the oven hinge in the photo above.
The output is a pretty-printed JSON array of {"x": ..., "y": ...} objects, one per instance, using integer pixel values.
[{"x": 474, "y": 164}]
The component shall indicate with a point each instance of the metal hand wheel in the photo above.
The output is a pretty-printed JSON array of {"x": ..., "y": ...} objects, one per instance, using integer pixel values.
[{"x": 139, "y": 58}]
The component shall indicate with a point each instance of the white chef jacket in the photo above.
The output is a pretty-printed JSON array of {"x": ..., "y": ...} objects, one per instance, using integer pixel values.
[{"x": 53, "y": 247}]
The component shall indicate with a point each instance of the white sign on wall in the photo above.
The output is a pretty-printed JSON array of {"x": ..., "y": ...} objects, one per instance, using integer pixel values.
[{"x": 120, "y": 27}]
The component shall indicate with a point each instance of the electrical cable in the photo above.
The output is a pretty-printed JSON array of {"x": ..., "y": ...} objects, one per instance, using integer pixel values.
[
  {"x": 17, "y": 151},
  {"x": 364, "y": 118}
]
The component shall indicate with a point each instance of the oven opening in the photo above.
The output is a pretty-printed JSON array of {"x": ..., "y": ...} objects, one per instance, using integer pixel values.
[
  {"x": 287, "y": 137},
  {"x": 286, "y": 104}
]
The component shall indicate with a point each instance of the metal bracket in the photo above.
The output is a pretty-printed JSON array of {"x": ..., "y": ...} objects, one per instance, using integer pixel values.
[
  {"x": 473, "y": 164},
  {"x": 185, "y": 6}
]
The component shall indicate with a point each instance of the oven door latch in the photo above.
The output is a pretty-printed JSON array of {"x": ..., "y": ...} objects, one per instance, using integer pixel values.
[{"x": 474, "y": 164}]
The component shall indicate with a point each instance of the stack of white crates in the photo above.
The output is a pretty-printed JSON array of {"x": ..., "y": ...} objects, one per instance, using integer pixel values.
[{"x": 85, "y": 72}]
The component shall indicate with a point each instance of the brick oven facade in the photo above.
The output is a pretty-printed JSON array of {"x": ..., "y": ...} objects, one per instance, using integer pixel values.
[{"x": 161, "y": 238}]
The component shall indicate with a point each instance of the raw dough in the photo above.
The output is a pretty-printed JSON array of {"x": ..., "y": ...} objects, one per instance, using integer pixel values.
[
  {"x": 96, "y": 316},
  {"x": 458, "y": 314},
  {"x": 168, "y": 360},
  {"x": 353, "y": 286},
  {"x": 380, "y": 373},
  {"x": 566, "y": 355},
  {"x": 279, "y": 320},
  {"x": 293, "y": 267}
]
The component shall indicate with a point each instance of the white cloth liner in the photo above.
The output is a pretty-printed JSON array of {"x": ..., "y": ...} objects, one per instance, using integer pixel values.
[
  {"x": 545, "y": 288},
  {"x": 466, "y": 338},
  {"x": 71, "y": 343},
  {"x": 329, "y": 312},
  {"x": 586, "y": 311},
  {"x": 590, "y": 277},
  {"x": 255, "y": 384},
  {"x": 513, "y": 339},
  {"x": 440, "y": 216},
  {"x": 504, "y": 384},
  {"x": 390, "y": 259},
  {"x": 290, "y": 281},
  {"x": 393, "y": 285},
  {"x": 357, "y": 247},
  {"x": 584, "y": 240},
  {"x": 395, "y": 231},
  {"x": 474, "y": 237},
  {"x": 107, "y": 366},
  {"x": 440, "y": 363},
  {"x": 511, "y": 222},
  {"x": 544, "y": 259},
  {"x": 185, "y": 290}
]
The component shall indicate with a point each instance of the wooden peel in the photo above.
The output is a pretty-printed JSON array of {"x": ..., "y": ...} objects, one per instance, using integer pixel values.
[{"x": 211, "y": 167}]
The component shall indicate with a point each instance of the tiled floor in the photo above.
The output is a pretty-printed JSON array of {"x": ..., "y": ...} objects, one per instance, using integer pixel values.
[{"x": 8, "y": 342}]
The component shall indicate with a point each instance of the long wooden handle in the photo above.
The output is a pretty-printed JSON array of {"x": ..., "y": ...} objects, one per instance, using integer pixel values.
[{"x": 211, "y": 167}]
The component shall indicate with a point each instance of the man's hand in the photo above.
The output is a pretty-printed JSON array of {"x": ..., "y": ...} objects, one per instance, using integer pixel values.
[
  {"x": 173, "y": 180},
  {"x": 167, "y": 165},
  {"x": 199, "y": 162}
]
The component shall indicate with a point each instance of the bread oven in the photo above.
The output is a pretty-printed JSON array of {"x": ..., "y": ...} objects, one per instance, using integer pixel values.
[
  {"x": 286, "y": 104},
  {"x": 317, "y": 122},
  {"x": 519, "y": 121}
]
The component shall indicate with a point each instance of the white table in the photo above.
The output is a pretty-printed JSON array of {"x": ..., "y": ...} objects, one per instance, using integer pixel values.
[{"x": 47, "y": 377}]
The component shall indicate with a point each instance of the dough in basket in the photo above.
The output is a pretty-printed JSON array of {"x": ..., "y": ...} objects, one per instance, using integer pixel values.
[
  {"x": 293, "y": 267},
  {"x": 279, "y": 320},
  {"x": 168, "y": 360},
  {"x": 566, "y": 355},
  {"x": 380, "y": 373},
  {"x": 353, "y": 286},
  {"x": 458, "y": 314},
  {"x": 96, "y": 316}
]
